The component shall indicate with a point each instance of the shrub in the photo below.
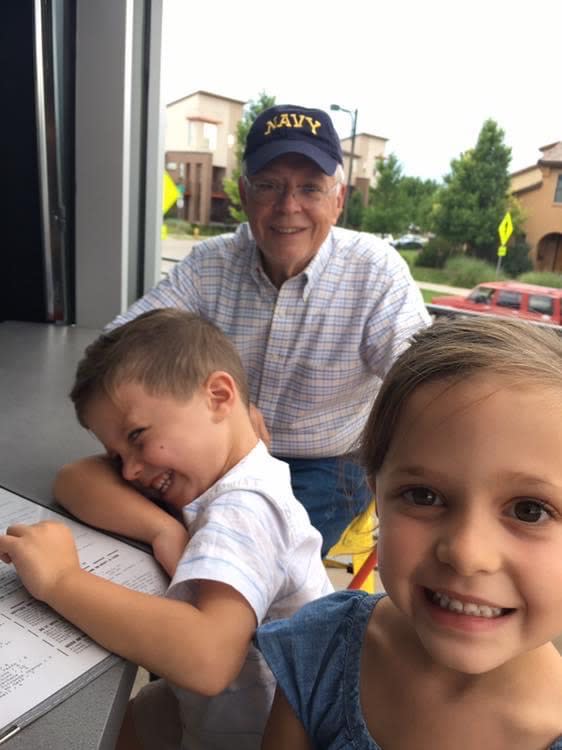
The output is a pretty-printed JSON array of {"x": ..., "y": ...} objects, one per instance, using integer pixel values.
[
  {"x": 178, "y": 226},
  {"x": 465, "y": 271},
  {"x": 435, "y": 253},
  {"x": 517, "y": 260},
  {"x": 542, "y": 278}
]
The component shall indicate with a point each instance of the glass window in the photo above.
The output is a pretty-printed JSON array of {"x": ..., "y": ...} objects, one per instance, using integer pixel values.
[
  {"x": 509, "y": 299},
  {"x": 539, "y": 303},
  {"x": 558, "y": 191},
  {"x": 210, "y": 136},
  {"x": 481, "y": 295}
]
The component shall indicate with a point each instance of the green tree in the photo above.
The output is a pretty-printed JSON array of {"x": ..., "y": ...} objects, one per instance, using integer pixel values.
[
  {"x": 474, "y": 198},
  {"x": 386, "y": 212},
  {"x": 419, "y": 197},
  {"x": 252, "y": 109},
  {"x": 355, "y": 210}
]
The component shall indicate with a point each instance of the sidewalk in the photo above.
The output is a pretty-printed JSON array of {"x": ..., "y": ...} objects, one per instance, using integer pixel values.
[{"x": 443, "y": 288}]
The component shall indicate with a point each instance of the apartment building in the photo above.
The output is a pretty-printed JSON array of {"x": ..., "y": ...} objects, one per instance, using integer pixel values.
[
  {"x": 539, "y": 190},
  {"x": 200, "y": 146},
  {"x": 366, "y": 150}
]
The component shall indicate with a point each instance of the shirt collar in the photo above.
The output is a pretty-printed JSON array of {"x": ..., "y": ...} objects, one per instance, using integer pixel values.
[{"x": 317, "y": 265}]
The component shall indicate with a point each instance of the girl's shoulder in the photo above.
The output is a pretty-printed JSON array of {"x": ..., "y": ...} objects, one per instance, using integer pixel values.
[
  {"x": 318, "y": 640},
  {"x": 323, "y": 617}
]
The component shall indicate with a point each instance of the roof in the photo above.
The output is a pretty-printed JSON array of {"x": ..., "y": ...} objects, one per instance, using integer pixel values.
[
  {"x": 519, "y": 286},
  {"x": 206, "y": 93},
  {"x": 522, "y": 171},
  {"x": 551, "y": 154},
  {"x": 367, "y": 135}
]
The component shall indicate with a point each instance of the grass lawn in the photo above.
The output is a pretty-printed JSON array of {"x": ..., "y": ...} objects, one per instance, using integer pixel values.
[
  {"x": 428, "y": 294},
  {"x": 437, "y": 275}
]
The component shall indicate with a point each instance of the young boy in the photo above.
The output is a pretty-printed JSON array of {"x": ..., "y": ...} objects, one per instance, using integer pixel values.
[{"x": 166, "y": 396}]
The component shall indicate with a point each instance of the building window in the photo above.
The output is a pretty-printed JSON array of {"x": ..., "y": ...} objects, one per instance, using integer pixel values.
[
  {"x": 558, "y": 191},
  {"x": 210, "y": 136}
]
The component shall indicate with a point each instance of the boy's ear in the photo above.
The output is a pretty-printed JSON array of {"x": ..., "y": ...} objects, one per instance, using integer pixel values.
[{"x": 221, "y": 393}]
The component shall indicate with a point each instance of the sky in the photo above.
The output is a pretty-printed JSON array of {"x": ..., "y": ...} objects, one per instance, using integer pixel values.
[{"x": 425, "y": 74}]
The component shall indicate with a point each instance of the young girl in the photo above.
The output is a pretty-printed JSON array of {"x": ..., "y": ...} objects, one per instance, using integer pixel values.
[{"x": 463, "y": 452}]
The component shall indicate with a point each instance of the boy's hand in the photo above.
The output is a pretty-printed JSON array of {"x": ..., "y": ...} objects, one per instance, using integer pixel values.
[
  {"x": 42, "y": 553},
  {"x": 169, "y": 544}
]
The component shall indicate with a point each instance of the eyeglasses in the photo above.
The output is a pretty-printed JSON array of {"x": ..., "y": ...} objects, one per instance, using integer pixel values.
[{"x": 267, "y": 192}]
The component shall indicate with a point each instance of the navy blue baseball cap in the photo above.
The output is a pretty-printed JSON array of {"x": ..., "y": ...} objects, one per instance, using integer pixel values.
[{"x": 288, "y": 129}]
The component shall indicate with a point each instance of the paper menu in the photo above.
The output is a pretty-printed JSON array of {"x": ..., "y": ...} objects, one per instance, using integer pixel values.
[{"x": 43, "y": 658}]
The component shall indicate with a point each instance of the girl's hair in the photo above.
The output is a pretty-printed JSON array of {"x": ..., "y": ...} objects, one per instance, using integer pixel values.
[
  {"x": 454, "y": 349},
  {"x": 169, "y": 352}
]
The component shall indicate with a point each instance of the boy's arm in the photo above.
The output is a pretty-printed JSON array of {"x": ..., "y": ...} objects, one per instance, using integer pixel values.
[
  {"x": 93, "y": 491},
  {"x": 198, "y": 647},
  {"x": 283, "y": 728}
]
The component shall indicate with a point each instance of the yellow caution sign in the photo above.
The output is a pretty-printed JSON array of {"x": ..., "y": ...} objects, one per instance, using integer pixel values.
[
  {"x": 505, "y": 230},
  {"x": 170, "y": 193}
]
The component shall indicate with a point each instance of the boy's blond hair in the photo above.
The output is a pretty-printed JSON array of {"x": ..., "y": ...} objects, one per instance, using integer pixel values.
[
  {"x": 169, "y": 352},
  {"x": 455, "y": 349}
]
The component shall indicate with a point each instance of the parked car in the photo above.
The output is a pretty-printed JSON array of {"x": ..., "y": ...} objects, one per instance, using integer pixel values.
[
  {"x": 385, "y": 236},
  {"x": 409, "y": 241},
  {"x": 512, "y": 299}
]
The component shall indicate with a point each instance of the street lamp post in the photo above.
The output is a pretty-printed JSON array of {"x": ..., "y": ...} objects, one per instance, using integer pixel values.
[{"x": 353, "y": 115}]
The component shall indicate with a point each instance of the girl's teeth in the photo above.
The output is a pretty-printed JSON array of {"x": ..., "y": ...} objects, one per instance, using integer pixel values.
[{"x": 465, "y": 608}]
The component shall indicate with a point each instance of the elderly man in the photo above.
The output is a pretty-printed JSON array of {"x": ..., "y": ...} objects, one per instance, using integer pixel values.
[{"x": 318, "y": 313}]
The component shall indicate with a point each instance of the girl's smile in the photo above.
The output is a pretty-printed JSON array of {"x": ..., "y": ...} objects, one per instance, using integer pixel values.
[{"x": 466, "y": 614}]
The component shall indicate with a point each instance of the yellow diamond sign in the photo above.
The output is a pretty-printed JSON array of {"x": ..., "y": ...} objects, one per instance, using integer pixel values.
[
  {"x": 505, "y": 229},
  {"x": 170, "y": 193}
]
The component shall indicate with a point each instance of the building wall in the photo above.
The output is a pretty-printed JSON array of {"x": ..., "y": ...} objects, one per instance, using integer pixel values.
[
  {"x": 543, "y": 223},
  {"x": 526, "y": 178}
]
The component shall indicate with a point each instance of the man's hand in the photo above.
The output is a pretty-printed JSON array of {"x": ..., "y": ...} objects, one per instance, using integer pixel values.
[
  {"x": 169, "y": 544},
  {"x": 43, "y": 554},
  {"x": 258, "y": 423}
]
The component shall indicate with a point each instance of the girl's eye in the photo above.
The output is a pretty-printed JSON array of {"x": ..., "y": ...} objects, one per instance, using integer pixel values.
[
  {"x": 422, "y": 496},
  {"x": 528, "y": 510}
]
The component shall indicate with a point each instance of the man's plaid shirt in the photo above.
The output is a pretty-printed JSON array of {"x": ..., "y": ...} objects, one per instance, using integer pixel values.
[{"x": 315, "y": 350}]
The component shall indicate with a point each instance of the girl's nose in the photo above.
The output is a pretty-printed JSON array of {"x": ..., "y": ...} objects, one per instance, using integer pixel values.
[{"x": 469, "y": 547}]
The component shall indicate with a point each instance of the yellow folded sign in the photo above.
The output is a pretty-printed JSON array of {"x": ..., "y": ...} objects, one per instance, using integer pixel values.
[{"x": 170, "y": 193}]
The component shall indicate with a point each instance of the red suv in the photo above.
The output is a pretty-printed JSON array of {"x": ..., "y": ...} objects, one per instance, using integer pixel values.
[{"x": 511, "y": 298}]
